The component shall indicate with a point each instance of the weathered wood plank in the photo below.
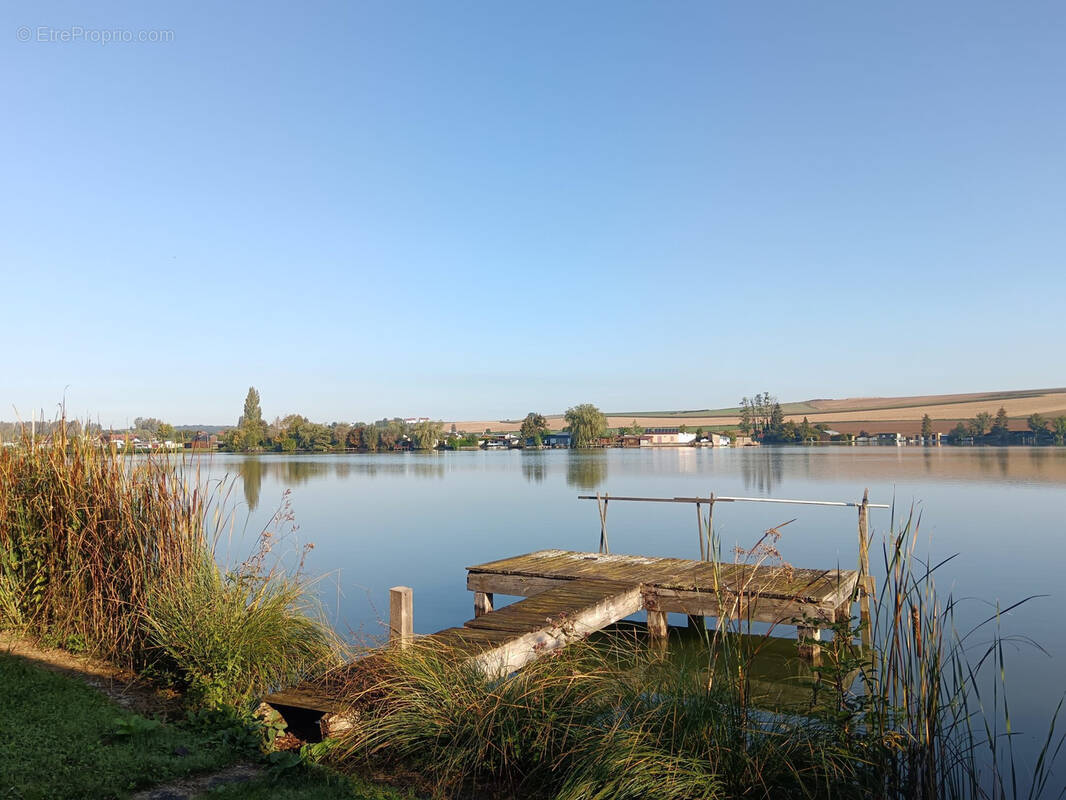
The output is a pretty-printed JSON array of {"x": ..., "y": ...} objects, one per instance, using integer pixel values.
[
  {"x": 520, "y": 585},
  {"x": 733, "y": 606},
  {"x": 606, "y": 603},
  {"x": 305, "y": 700}
]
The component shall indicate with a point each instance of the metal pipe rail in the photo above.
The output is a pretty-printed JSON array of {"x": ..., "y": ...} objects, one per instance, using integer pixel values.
[
  {"x": 724, "y": 499},
  {"x": 864, "y": 588}
]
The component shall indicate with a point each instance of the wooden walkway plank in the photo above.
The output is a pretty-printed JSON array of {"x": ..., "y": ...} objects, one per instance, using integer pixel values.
[{"x": 583, "y": 609}]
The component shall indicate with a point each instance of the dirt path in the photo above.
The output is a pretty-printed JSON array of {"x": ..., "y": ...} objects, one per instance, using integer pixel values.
[{"x": 198, "y": 785}]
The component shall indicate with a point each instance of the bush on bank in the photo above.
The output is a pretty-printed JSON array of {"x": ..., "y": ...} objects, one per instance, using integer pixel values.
[{"x": 113, "y": 556}]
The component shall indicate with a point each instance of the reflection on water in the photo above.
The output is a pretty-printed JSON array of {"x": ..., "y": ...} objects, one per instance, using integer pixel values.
[
  {"x": 251, "y": 472},
  {"x": 533, "y": 467},
  {"x": 762, "y": 470},
  {"x": 297, "y": 470},
  {"x": 586, "y": 469},
  {"x": 995, "y": 460},
  {"x": 775, "y": 677}
]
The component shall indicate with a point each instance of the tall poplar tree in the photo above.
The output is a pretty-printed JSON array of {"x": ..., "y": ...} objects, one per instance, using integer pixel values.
[
  {"x": 927, "y": 426},
  {"x": 251, "y": 422}
]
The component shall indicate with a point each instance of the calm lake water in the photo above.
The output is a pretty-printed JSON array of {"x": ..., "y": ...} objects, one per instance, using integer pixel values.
[{"x": 419, "y": 519}]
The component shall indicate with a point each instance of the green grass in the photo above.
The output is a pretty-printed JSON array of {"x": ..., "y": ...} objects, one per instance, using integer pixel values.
[{"x": 62, "y": 739}]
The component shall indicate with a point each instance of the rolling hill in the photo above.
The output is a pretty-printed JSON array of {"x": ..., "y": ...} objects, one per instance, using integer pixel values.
[{"x": 848, "y": 415}]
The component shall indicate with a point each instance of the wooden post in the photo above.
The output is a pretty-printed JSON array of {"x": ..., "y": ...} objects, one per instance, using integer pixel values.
[
  {"x": 699, "y": 528},
  {"x": 843, "y": 612},
  {"x": 807, "y": 642},
  {"x": 482, "y": 603},
  {"x": 604, "y": 546},
  {"x": 710, "y": 528},
  {"x": 866, "y": 582},
  {"x": 657, "y": 626},
  {"x": 401, "y": 615},
  {"x": 699, "y": 622}
]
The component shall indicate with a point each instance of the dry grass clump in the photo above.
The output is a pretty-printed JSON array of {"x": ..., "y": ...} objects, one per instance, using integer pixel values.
[{"x": 85, "y": 538}]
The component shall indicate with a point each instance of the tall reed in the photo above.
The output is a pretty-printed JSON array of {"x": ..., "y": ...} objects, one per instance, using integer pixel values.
[
  {"x": 925, "y": 690},
  {"x": 85, "y": 537},
  {"x": 115, "y": 555}
]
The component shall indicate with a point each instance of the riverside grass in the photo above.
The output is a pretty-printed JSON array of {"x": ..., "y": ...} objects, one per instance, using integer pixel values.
[
  {"x": 917, "y": 716},
  {"x": 115, "y": 557}
]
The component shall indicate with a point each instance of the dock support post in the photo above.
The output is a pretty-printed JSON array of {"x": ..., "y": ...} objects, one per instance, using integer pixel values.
[
  {"x": 843, "y": 612},
  {"x": 401, "y": 615},
  {"x": 710, "y": 528},
  {"x": 604, "y": 546},
  {"x": 699, "y": 527},
  {"x": 699, "y": 622},
  {"x": 808, "y": 638},
  {"x": 866, "y": 584},
  {"x": 657, "y": 626},
  {"x": 482, "y": 603}
]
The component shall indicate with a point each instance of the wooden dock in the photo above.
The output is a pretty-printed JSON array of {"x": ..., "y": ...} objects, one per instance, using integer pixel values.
[
  {"x": 570, "y": 595},
  {"x": 778, "y": 595}
]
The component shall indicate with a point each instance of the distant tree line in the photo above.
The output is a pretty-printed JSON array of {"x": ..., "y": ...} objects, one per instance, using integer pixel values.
[
  {"x": 761, "y": 417},
  {"x": 585, "y": 423},
  {"x": 986, "y": 429},
  {"x": 295, "y": 432}
]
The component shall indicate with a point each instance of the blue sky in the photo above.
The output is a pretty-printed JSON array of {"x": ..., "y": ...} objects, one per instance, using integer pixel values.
[{"x": 475, "y": 210}]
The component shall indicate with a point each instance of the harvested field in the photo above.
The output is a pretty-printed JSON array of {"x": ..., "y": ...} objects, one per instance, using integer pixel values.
[{"x": 889, "y": 413}]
